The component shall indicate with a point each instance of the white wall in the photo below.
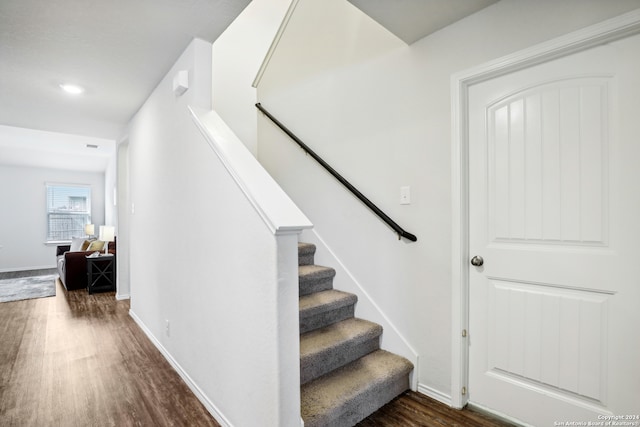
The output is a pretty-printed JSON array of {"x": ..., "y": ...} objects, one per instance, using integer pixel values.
[
  {"x": 237, "y": 56},
  {"x": 124, "y": 212},
  {"x": 23, "y": 223},
  {"x": 202, "y": 259},
  {"x": 379, "y": 112},
  {"x": 110, "y": 193}
]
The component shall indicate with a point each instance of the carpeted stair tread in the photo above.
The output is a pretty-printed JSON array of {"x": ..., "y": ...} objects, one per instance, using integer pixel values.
[
  {"x": 324, "y": 308},
  {"x": 306, "y": 252},
  {"x": 325, "y": 301},
  {"x": 333, "y": 346},
  {"x": 315, "y": 278},
  {"x": 349, "y": 394},
  {"x": 344, "y": 375}
]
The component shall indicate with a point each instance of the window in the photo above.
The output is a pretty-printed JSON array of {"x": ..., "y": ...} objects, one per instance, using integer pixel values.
[{"x": 68, "y": 210}]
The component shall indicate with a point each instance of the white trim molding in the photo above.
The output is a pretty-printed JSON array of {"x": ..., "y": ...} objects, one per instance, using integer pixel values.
[
  {"x": 594, "y": 35},
  {"x": 273, "y": 205},
  {"x": 121, "y": 297},
  {"x": 274, "y": 43},
  {"x": 435, "y": 394}
]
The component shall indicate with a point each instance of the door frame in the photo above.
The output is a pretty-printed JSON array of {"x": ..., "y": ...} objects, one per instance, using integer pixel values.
[
  {"x": 607, "y": 31},
  {"x": 123, "y": 288}
]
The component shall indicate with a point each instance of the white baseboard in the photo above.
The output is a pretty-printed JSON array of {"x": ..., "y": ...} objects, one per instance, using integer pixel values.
[
  {"x": 41, "y": 267},
  {"x": 120, "y": 297},
  {"x": 435, "y": 394},
  {"x": 213, "y": 410},
  {"x": 446, "y": 399}
]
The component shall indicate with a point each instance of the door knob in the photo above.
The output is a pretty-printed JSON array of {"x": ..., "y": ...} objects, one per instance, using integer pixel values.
[{"x": 477, "y": 261}]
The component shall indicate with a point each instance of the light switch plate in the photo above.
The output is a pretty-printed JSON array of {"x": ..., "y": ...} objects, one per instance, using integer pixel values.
[{"x": 405, "y": 195}]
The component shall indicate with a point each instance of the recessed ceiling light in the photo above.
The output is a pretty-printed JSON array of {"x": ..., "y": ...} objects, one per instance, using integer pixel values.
[{"x": 72, "y": 89}]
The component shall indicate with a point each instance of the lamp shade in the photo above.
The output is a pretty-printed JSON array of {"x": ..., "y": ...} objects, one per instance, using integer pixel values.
[
  {"x": 89, "y": 229},
  {"x": 107, "y": 233}
]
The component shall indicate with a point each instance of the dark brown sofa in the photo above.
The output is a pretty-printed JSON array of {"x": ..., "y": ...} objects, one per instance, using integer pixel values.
[{"x": 72, "y": 266}]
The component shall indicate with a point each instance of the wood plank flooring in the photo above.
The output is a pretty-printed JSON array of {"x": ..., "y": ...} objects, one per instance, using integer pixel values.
[
  {"x": 413, "y": 409},
  {"x": 80, "y": 360}
]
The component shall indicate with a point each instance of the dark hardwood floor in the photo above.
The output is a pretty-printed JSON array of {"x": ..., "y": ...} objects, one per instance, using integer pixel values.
[
  {"x": 80, "y": 360},
  {"x": 413, "y": 409}
]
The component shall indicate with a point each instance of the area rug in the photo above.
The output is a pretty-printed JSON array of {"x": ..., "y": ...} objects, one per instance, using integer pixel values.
[{"x": 28, "y": 287}]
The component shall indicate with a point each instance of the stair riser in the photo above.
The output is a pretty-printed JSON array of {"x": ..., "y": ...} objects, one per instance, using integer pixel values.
[
  {"x": 309, "y": 286},
  {"x": 306, "y": 253},
  {"x": 317, "y": 365},
  {"x": 305, "y": 259},
  {"x": 320, "y": 320}
]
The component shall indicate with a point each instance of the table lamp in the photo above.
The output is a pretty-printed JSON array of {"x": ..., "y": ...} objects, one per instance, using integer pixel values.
[{"x": 107, "y": 234}]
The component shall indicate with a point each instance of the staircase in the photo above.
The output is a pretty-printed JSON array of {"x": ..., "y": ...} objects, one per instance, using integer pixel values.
[{"x": 344, "y": 375}]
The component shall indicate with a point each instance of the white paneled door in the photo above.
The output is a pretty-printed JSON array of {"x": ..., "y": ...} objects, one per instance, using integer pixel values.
[{"x": 554, "y": 205}]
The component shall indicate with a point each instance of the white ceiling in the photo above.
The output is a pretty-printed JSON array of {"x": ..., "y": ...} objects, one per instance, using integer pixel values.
[
  {"x": 119, "y": 50},
  {"x": 412, "y": 20},
  {"x": 42, "y": 149}
]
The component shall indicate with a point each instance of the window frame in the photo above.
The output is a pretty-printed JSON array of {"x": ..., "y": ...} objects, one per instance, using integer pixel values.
[{"x": 50, "y": 237}]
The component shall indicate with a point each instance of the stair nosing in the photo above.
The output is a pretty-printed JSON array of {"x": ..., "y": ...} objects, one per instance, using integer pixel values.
[
  {"x": 364, "y": 330},
  {"x": 312, "y": 271},
  {"x": 358, "y": 370},
  {"x": 340, "y": 299},
  {"x": 402, "y": 365}
]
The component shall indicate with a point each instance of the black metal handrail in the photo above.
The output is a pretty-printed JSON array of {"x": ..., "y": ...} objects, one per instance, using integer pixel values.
[{"x": 401, "y": 232}]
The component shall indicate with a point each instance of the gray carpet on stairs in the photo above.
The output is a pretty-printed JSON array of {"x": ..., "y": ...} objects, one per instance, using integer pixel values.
[
  {"x": 331, "y": 347},
  {"x": 345, "y": 376},
  {"x": 324, "y": 308},
  {"x": 352, "y": 393}
]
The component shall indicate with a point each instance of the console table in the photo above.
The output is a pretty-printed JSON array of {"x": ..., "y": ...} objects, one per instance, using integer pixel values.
[{"x": 101, "y": 273}]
